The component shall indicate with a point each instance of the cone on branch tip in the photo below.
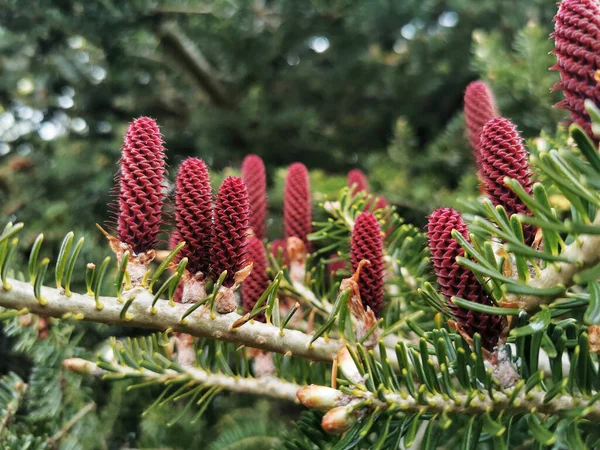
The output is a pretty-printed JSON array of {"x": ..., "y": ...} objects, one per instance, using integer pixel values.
[
  {"x": 501, "y": 154},
  {"x": 194, "y": 215},
  {"x": 230, "y": 230},
  {"x": 357, "y": 181},
  {"x": 254, "y": 175},
  {"x": 297, "y": 204},
  {"x": 141, "y": 176},
  {"x": 258, "y": 280},
  {"x": 367, "y": 244},
  {"x": 577, "y": 49},
  {"x": 480, "y": 106},
  {"x": 457, "y": 281}
]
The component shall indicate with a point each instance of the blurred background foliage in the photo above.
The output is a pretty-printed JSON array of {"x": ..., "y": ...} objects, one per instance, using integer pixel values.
[{"x": 335, "y": 84}]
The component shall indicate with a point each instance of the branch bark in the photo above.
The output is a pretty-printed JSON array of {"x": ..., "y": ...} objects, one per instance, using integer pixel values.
[
  {"x": 258, "y": 335},
  {"x": 186, "y": 53}
]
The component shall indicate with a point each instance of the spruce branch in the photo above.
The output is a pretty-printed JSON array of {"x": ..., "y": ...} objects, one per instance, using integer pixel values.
[
  {"x": 57, "y": 437},
  {"x": 494, "y": 401},
  {"x": 192, "y": 59},
  {"x": 585, "y": 250},
  {"x": 12, "y": 391},
  {"x": 257, "y": 335},
  {"x": 273, "y": 387}
]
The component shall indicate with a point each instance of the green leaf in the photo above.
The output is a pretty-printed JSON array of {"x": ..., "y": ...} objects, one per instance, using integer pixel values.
[
  {"x": 409, "y": 438},
  {"x": 574, "y": 437},
  {"x": 39, "y": 281},
  {"x": 10, "y": 230},
  {"x": 592, "y": 313},
  {"x": 539, "y": 432},
  {"x": 492, "y": 427},
  {"x": 524, "y": 289},
  {"x": 33, "y": 257},
  {"x": 71, "y": 266},
  {"x": 431, "y": 437},
  {"x": 538, "y": 322},
  {"x": 487, "y": 309},
  {"x": 586, "y": 146},
  {"x": 471, "y": 434},
  {"x": 61, "y": 261},
  {"x": 585, "y": 276},
  {"x": 165, "y": 264},
  {"x": 99, "y": 281}
]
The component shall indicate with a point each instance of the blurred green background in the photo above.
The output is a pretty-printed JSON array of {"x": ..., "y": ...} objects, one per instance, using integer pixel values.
[{"x": 334, "y": 84}]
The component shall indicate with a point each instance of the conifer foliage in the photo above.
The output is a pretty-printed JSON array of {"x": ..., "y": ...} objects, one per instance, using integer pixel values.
[{"x": 481, "y": 332}]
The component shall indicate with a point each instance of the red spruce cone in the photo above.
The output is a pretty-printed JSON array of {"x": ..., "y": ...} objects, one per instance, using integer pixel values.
[
  {"x": 193, "y": 214},
  {"x": 577, "y": 48},
  {"x": 358, "y": 178},
  {"x": 276, "y": 245},
  {"x": 253, "y": 173},
  {"x": 334, "y": 266},
  {"x": 457, "y": 281},
  {"x": 297, "y": 204},
  {"x": 258, "y": 280},
  {"x": 141, "y": 185},
  {"x": 367, "y": 243},
  {"x": 479, "y": 108},
  {"x": 501, "y": 154},
  {"x": 231, "y": 227}
]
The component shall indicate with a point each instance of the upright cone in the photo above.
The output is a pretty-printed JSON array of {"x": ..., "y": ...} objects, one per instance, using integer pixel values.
[
  {"x": 367, "y": 243},
  {"x": 480, "y": 107},
  {"x": 141, "y": 177},
  {"x": 231, "y": 227},
  {"x": 501, "y": 154},
  {"x": 194, "y": 214},
  {"x": 297, "y": 204},
  {"x": 577, "y": 49},
  {"x": 254, "y": 175},
  {"x": 457, "y": 281}
]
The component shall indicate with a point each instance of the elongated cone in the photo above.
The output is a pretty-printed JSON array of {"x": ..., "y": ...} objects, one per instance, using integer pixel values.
[
  {"x": 367, "y": 243},
  {"x": 194, "y": 214},
  {"x": 501, "y": 154},
  {"x": 577, "y": 49},
  {"x": 231, "y": 227},
  {"x": 480, "y": 107},
  {"x": 359, "y": 180},
  {"x": 457, "y": 281},
  {"x": 334, "y": 266},
  {"x": 253, "y": 174},
  {"x": 258, "y": 280},
  {"x": 297, "y": 204},
  {"x": 141, "y": 179},
  {"x": 279, "y": 245}
]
